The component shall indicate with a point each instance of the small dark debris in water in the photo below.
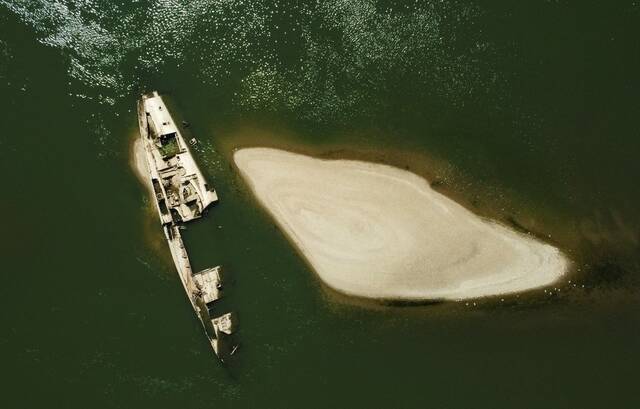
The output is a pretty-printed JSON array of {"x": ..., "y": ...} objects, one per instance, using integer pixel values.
[
  {"x": 409, "y": 303},
  {"x": 437, "y": 183},
  {"x": 516, "y": 225}
]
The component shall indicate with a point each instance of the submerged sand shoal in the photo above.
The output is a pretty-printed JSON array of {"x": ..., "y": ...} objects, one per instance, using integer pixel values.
[
  {"x": 139, "y": 164},
  {"x": 373, "y": 230}
]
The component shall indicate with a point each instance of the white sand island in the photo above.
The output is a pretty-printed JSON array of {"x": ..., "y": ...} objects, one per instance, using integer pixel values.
[{"x": 373, "y": 230}]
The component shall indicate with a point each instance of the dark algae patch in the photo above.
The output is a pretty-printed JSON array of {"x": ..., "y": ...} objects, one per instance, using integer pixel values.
[{"x": 524, "y": 112}]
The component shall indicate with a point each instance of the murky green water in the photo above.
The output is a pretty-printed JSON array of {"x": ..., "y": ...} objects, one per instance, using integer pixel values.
[{"x": 525, "y": 113}]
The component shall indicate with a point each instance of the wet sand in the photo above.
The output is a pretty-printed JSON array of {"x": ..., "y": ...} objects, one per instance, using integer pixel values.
[{"x": 372, "y": 230}]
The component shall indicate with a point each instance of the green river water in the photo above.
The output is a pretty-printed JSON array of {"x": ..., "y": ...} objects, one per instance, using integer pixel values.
[{"x": 526, "y": 112}]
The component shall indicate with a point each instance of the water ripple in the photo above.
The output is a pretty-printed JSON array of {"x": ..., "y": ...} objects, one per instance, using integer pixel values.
[{"x": 325, "y": 61}]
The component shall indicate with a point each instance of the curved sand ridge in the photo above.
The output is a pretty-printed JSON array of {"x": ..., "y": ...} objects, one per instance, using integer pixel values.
[{"x": 373, "y": 230}]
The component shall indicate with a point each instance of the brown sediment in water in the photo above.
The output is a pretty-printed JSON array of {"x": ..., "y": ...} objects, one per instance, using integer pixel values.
[{"x": 138, "y": 163}]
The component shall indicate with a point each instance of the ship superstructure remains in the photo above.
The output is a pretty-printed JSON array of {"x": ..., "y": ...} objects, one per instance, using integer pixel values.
[
  {"x": 181, "y": 191},
  {"x": 181, "y": 194}
]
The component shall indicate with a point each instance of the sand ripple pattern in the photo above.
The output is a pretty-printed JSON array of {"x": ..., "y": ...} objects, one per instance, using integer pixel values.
[{"x": 373, "y": 230}]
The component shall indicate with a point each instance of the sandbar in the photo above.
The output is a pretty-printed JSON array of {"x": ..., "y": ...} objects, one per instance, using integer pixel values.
[{"x": 376, "y": 231}]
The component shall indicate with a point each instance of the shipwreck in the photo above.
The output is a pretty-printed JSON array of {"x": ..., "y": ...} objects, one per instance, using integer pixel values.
[{"x": 181, "y": 194}]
